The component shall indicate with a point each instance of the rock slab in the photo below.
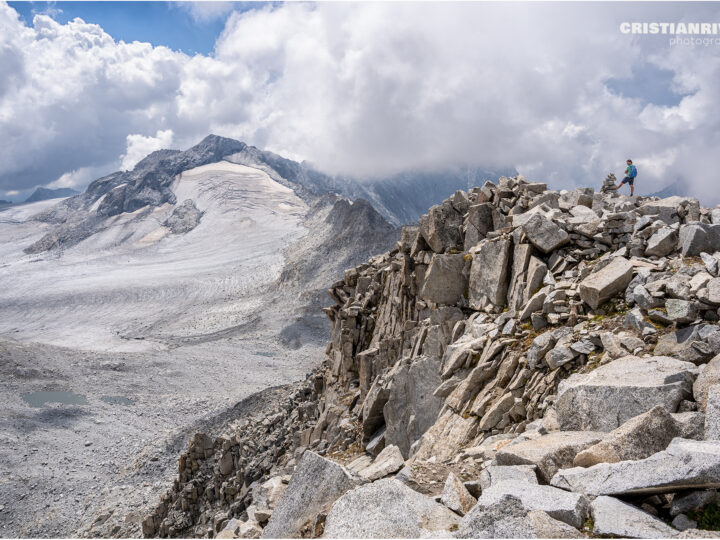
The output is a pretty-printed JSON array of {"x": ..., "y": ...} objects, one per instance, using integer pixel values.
[
  {"x": 570, "y": 508},
  {"x": 601, "y": 286},
  {"x": 549, "y": 453},
  {"x": 610, "y": 395},
  {"x": 508, "y": 518},
  {"x": 638, "y": 438},
  {"x": 685, "y": 464},
  {"x": 314, "y": 485},
  {"x": 388, "y": 509},
  {"x": 612, "y": 517}
]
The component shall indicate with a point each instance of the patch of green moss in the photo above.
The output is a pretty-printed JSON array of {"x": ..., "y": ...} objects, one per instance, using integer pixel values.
[
  {"x": 615, "y": 308},
  {"x": 657, "y": 324},
  {"x": 708, "y": 519},
  {"x": 589, "y": 524}
]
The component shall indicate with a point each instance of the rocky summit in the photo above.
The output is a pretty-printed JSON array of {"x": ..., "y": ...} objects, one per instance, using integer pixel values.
[{"x": 524, "y": 363}]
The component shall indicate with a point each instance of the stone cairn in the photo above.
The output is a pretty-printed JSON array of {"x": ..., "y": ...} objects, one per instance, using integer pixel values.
[
  {"x": 518, "y": 363},
  {"x": 609, "y": 184}
]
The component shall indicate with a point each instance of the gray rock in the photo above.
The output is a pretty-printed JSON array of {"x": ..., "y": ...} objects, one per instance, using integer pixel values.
[
  {"x": 576, "y": 199},
  {"x": 694, "y": 499},
  {"x": 359, "y": 464},
  {"x": 314, "y": 485},
  {"x": 504, "y": 518},
  {"x": 535, "y": 303},
  {"x": 544, "y": 234},
  {"x": 479, "y": 223},
  {"x": 611, "y": 344},
  {"x": 584, "y": 346},
  {"x": 539, "y": 348},
  {"x": 636, "y": 320},
  {"x": 411, "y": 408},
  {"x": 538, "y": 321},
  {"x": 445, "y": 282},
  {"x": 685, "y": 464},
  {"x": 683, "y": 523},
  {"x": 559, "y": 356},
  {"x": 249, "y": 529},
  {"x": 644, "y": 299},
  {"x": 456, "y": 496},
  {"x": 600, "y": 286},
  {"x": 697, "y": 533},
  {"x": 710, "y": 262},
  {"x": 184, "y": 218},
  {"x": 608, "y": 396},
  {"x": 681, "y": 311},
  {"x": 489, "y": 273},
  {"x": 638, "y": 438},
  {"x": 441, "y": 230},
  {"x": 698, "y": 237},
  {"x": 570, "y": 508},
  {"x": 550, "y": 452},
  {"x": 712, "y": 414},
  {"x": 508, "y": 518},
  {"x": 389, "y": 461},
  {"x": 684, "y": 344},
  {"x": 372, "y": 409},
  {"x": 377, "y": 442},
  {"x": 709, "y": 376},
  {"x": 612, "y": 517},
  {"x": 668, "y": 209},
  {"x": 690, "y": 424},
  {"x": 547, "y": 527},
  {"x": 662, "y": 243},
  {"x": 495, "y": 474},
  {"x": 713, "y": 292},
  {"x": 496, "y": 411},
  {"x": 225, "y": 464},
  {"x": 388, "y": 509},
  {"x": 583, "y": 213},
  {"x": 535, "y": 274}
]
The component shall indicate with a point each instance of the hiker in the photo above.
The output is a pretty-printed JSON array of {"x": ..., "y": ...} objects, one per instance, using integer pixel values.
[{"x": 630, "y": 174}]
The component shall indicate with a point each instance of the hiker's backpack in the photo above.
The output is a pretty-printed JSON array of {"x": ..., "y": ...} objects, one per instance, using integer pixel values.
[{"x": 633, "y": 171}]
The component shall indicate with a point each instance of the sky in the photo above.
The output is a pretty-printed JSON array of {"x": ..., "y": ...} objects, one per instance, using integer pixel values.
[{"x": 555, "y": 90}]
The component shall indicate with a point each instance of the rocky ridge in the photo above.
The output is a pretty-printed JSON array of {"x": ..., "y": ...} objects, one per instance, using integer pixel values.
[
  {"x": 44, "y": 194},
  {"x": 525, "y": 363}
]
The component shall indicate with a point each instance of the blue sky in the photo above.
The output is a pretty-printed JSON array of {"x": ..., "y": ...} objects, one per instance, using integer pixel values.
[{"x": 173, "y": 24}]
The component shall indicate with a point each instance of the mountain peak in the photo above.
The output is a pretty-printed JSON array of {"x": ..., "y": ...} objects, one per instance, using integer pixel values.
[{"x": 44, "y": 194}]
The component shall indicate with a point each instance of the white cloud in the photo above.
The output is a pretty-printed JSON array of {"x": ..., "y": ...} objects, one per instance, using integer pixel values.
[
  {"x": 70, "y": 95},
  {"x": 139, "y": 146},
  {"x": 205, "y": 10},
  {"x": 370, "y": 89},
  {"x": 78, "y": 178}
]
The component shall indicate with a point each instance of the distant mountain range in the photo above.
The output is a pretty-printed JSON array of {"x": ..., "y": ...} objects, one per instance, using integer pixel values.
[
  {"x": 44, "y": 194},
  {"x": 676, "y": 189},
  {"x": 400, "y": 199}
]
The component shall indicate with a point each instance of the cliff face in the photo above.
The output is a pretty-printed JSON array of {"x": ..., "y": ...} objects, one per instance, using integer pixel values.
[{"x": 522, "y": 356}]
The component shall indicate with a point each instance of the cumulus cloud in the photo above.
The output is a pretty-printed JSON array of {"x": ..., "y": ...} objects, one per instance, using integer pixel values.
[
  {"x": 76, "y": 178},
  {"x": 374, "y": 88},
  {"x": 139, "y": 146},
  {"x": 70, "y": 95}
]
